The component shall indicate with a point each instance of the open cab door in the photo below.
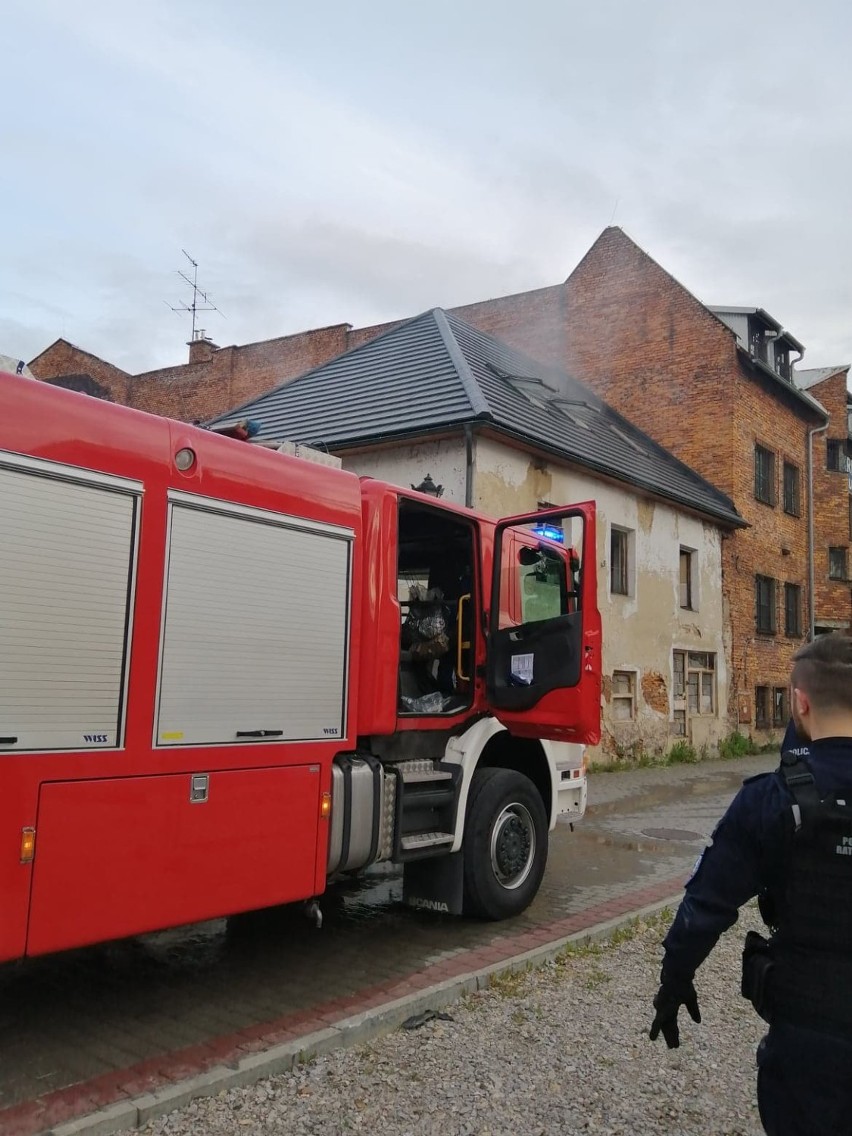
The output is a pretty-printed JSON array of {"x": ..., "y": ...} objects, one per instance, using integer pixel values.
[{"x": 543, "y": 663}]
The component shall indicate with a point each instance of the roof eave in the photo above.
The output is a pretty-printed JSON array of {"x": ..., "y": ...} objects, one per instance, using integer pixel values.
[
  {"x": 721, "y": 516},
  {"x": 764, "y": 369}
]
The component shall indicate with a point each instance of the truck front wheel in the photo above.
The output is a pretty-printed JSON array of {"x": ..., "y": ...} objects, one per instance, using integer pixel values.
[{"x": 505, "y": 844}]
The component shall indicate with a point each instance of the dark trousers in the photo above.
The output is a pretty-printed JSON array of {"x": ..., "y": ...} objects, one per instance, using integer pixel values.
[{"x": 804, "y": 1083}]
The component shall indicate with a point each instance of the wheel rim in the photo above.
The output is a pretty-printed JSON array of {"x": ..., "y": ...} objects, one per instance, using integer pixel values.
[{"x": 512, "y": 846}]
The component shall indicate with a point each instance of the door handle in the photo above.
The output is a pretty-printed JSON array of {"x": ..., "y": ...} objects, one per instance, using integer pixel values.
[
  {"x": 8, "y": 741},
  {"x": 259, "y": 733}
]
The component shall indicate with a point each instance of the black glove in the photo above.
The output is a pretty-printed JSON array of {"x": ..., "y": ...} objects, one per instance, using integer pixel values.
[{"x": 670, "y": 997}]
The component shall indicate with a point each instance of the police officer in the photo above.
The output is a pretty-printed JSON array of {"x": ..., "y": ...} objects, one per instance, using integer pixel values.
[{"x": 786, "y": 838}]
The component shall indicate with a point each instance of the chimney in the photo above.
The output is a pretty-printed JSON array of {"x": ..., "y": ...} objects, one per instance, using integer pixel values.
[{"x": 201, "y": 347}]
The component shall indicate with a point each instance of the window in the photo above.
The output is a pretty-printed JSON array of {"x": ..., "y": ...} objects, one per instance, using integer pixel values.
[
  {"x": 694, "y": 687},
  {"x": 761, "y": 705},
  {"x": 764, "y": 475},
  {"x": 834, "y": 455},
  {"x": 623, "y": 695},
  {"x": 782, "y": 362},
  {"x": 792, "y": 611},
  {"x": 543, "y": 586},
  {"x": 837, "y": 564},
  {"x": 780, "y": 713},
  {"x": 619, "y": 570},
  {"x": 791, "y": 490},
  {"x": 757, "y": 340},
  {"x": 764, "y": 604},
  {"x": 686, "y": 567}
]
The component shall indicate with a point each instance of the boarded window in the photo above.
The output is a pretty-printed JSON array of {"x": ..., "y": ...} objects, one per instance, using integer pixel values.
[
  {"x": 623, "y": 695},
  {"x": 837, "y": 563}
]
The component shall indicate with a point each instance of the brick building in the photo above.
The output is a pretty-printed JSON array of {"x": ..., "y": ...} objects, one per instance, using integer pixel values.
[
  {"x": 213, "y": 379},
  {"x": 713, "y": 386},
  {"x": 832, "y": 495},
  {"x": 504, "y": 433}
]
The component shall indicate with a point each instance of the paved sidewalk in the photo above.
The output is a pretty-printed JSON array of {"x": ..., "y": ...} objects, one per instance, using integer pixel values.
[{"x": 98, "y": 1028}]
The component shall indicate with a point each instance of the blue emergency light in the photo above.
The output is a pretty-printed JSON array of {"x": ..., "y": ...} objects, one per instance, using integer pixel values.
[{"x": 552, "y": 532}]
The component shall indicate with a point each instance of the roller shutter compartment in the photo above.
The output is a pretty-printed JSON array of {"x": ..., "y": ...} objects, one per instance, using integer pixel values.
[
  {"x": 255, "y": 628},
  {"x": 66, "y": 561}
]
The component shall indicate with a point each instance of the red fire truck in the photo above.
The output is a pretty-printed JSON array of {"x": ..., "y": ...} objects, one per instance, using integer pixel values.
[{"x": 229, "y": 677}]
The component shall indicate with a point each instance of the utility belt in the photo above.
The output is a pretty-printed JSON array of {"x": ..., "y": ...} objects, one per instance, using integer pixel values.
[{"x": 758, "y": 987}]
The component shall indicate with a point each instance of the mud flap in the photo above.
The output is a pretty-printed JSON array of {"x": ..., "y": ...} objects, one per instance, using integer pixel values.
[{"x": 435, "y": 884}]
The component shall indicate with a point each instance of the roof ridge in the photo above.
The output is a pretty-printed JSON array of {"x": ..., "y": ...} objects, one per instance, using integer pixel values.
[{"x": 478, "y": 401}]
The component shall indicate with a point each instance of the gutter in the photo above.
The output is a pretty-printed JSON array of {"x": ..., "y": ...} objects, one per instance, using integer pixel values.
[
  {"x": 468, "y": 465},
  {"x": 811, "y": 598},
  {"x": 791, "y": 388}
]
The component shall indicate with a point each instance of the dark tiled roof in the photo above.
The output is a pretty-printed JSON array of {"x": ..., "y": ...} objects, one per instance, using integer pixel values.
[{"x": 437, "y": 371}]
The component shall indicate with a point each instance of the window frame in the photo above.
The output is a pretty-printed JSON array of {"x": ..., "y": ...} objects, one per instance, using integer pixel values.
[
  {"x": 687, "y": 663},
  {"x": 765, "y": 483},
  {"x": 835, "y": 446},
  {"x": 792, "y": 629},
  {"x": 761, "y": 695},
  {"x": 770, "y": 605},
  {"x": 686, "y": 555},
  {"x": 780, "y": 706},
  {"x": 792, "y": 508},
  {"x": 621, "y": 536},
  {"x": 843, "y": 575},
  {"x": 620, "y": 698}
]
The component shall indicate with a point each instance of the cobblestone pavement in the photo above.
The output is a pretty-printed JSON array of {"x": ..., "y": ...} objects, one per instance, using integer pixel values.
[{"x": 82, "y": 1027}]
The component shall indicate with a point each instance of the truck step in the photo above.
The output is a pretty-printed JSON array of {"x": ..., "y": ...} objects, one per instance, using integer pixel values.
[
  {"x": 419, "y": 771},
  {"x": 417, "y": 841}
]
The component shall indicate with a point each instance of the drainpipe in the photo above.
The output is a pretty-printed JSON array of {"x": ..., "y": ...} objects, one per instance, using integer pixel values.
[
  {"x": 468, "y": 471},
  {"x": 811, "y": 600}
]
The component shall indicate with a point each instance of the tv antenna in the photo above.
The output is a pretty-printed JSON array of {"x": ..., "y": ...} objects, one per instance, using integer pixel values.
[{"x": 201, "y": 302}]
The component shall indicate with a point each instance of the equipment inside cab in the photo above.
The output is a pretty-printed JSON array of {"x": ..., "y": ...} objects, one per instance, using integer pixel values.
[{"x": 435, "y": 581}]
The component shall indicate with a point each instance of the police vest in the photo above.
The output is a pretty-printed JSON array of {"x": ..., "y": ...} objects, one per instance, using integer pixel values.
[{"x": 811, "y": 946}]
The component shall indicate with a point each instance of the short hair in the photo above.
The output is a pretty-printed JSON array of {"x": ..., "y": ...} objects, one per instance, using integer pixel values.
[{"x": 823, "y": 670}]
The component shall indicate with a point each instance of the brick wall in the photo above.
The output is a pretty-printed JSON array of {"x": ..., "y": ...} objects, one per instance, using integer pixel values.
[
  {"x": 656, "y": 354},
  {"x": 831, "y": 507},
  {"x": 215, "y": 381},
  {"x": 775, "y": 546},
  {"x": 233, "y": 375},
  {"x": 63, "y": 358}
]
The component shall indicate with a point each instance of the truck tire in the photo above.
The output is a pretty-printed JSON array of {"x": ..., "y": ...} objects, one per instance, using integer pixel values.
[{"x": 505, "y": 844}]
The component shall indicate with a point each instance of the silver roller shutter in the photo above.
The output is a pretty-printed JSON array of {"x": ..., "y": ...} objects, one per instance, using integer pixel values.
[
  {"x": 255, "y": 631},
  {"x": 66, "y": 551}
]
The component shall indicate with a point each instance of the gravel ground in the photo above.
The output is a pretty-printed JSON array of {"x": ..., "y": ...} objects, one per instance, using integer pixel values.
[{"x": 563, "y": 1049}]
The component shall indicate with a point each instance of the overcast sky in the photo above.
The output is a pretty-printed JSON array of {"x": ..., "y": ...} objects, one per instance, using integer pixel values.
[{"x": 340, "y": 161}]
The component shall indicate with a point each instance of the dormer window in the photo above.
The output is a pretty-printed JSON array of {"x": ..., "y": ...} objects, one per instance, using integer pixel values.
[
  {"x": 782, "y": 361},
  {"x": 757, "y": 341}
]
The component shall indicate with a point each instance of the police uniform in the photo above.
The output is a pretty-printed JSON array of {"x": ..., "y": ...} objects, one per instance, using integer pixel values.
[{"x": 779, "y": 842}]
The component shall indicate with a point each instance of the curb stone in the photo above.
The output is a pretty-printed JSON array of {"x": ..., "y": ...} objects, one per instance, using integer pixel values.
[{"x": 350, "y": 1031}]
